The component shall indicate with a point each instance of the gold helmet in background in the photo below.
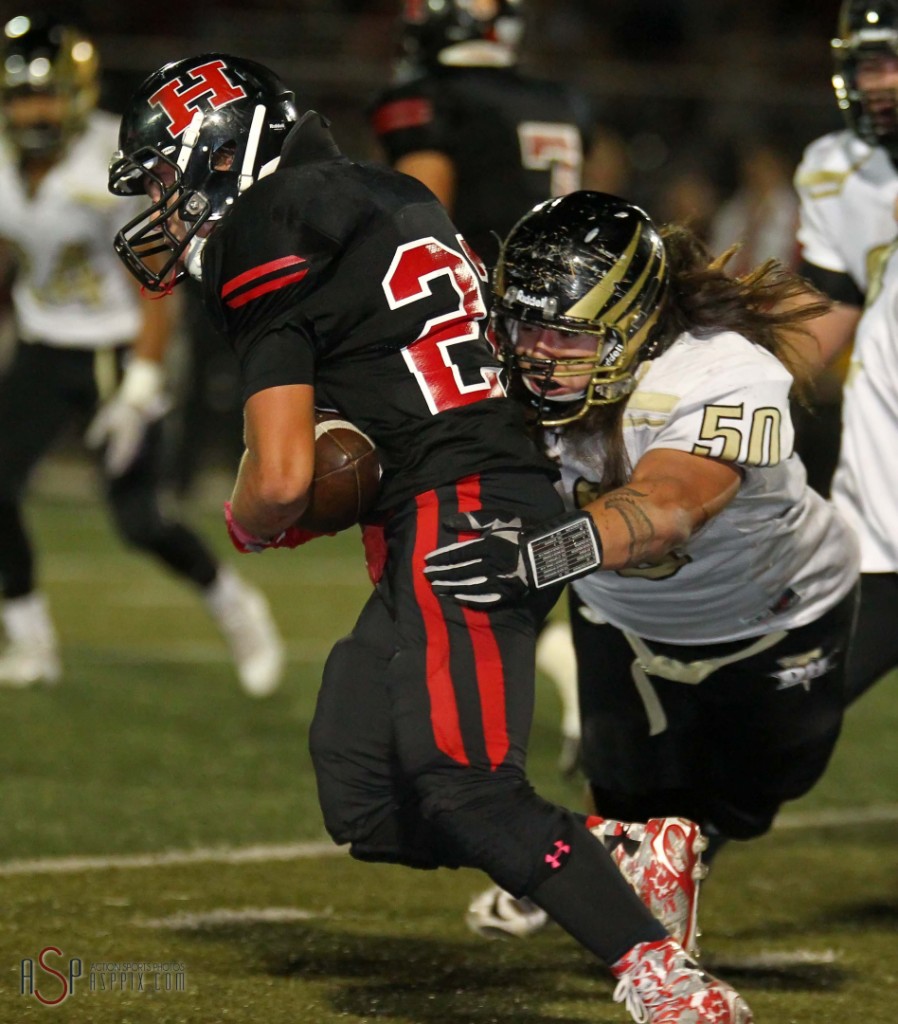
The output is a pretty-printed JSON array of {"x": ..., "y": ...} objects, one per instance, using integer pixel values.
[{"x": 48, "y": 59}]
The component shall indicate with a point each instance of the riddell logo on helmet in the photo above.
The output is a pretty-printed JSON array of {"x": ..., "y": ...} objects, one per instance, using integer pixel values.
[
  {"x": 180, "y": 98},
  {"x": 547, "y": 304}
]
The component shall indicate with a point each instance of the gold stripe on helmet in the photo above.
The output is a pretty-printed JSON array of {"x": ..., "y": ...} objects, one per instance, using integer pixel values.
[
  {"x": 620, "y": 309},
  {"x": 589, "y": 307}
]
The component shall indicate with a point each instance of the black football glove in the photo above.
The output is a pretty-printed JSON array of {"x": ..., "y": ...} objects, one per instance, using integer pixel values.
[{"x": 506, "y": 561}]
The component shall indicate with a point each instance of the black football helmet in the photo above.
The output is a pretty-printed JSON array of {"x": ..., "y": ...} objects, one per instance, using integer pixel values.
[
  {"x": 866, "y": 28},
  {"x": 584, "y": 264},
  {"x": 196, "y": 134},
  {"x": 431, "y": 27},
  {"x": 42, "y": 56}
]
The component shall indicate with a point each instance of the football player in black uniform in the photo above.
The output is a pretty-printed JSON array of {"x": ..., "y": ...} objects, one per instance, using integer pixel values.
[
  {"x": 347, "y": 286},
  {"x": 487, "y": 140}
]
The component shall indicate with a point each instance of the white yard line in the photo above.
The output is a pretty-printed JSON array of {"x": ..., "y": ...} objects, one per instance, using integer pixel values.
[
  {"x": 222, "y": 917},
  {"x": 213, "y": 855},
  {"x": 189, "y": 652},
  {"x": 873, "y": 815}
]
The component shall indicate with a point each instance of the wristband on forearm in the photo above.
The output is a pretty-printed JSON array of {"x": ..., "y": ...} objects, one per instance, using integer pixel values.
[
  {"x": 563, "y": 549},
  {"x": 248, "y": 543}
]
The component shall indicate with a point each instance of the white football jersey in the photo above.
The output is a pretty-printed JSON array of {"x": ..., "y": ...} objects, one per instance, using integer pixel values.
[
  {"x": 70, "y": 289},
  {"x": 865, "y": 486},
  {"x": 847, "y": 192},
  {"x": 777, "y": 557}
]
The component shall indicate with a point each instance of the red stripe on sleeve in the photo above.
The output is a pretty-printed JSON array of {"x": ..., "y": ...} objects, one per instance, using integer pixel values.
[
  {"x": 487, "y": 657},
  {"x": 263, "y": 289},
  {"x": 255, "y": 272},
  {"x": 400, "y": 114},
  {"x": 443, "y": 706}
]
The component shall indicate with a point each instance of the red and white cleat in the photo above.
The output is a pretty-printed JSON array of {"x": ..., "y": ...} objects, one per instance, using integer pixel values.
[
  {"x": 659, "y": 983},
  {"x": 662, "y": 861}
]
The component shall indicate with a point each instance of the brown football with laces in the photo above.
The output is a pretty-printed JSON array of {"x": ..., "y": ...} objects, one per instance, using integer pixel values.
[{"x": 347, "y": 475}]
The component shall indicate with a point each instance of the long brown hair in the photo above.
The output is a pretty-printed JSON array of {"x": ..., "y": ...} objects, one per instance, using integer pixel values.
[{"x": 770, "y": 306}]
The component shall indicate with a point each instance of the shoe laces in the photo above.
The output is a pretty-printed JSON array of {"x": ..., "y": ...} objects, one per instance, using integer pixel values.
[{"x": 659, "y": 972}]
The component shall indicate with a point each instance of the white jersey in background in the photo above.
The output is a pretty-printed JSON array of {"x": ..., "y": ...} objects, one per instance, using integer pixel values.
[
  {"x": 70, "y": 287},
  {"x": 774, "y": 558},
  {"x": 848, "y": 191},
  {"x": 865, "y": 485}
]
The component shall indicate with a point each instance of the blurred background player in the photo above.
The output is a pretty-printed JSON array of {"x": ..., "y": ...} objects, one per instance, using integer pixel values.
[
  {"x": 761, "y": 216},
  {"x": 86, "y": 337},
  {"x": 848, "y": 186},
  {"x": 865, "y": 485},
  {"x": 490, "y": 142}
]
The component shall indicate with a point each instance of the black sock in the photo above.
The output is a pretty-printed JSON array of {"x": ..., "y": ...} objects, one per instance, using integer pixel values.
[{"x": 590, "y": 899}]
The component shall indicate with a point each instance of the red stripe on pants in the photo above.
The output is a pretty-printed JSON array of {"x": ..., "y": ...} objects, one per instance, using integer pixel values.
[
  {"x": 443, "y": 705},
  {"x": 487, "y": 658}
]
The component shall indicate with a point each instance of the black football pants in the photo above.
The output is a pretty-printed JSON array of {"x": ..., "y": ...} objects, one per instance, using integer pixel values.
[
  {"x": 420, "y": 734},
  {"x": 755, "y": 733},
  {"x": 419, "y": 738},
  {"x": 44, "y": 389}
]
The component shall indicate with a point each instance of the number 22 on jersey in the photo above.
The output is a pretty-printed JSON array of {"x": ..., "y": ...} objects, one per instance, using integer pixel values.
[{"x": 447, "y": 364}]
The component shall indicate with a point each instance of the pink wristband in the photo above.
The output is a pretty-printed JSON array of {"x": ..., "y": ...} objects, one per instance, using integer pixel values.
[{"x": 244, "y": 541}]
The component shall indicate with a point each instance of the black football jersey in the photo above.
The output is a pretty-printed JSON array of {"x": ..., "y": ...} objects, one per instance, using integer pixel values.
[
  {"x": 514, "y": 141},
  {"x": 352, "y": 278}
]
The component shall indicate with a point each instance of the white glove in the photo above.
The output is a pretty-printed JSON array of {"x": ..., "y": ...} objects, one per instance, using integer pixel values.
[{"x": 122, "y": 422}]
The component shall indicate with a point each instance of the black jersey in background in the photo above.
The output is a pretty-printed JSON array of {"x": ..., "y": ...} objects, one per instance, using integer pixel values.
[{"x": 514, "y": 141}]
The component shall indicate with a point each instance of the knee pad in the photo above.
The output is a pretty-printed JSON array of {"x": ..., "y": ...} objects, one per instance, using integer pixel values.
[{"x": 497, "y": 824}]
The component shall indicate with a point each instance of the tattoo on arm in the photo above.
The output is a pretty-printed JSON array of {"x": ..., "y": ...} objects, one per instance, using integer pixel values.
[{"x": 626, "y": 502}]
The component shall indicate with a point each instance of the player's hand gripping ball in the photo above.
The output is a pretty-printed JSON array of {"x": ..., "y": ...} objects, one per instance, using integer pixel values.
[{"x": 347, "y": 476}]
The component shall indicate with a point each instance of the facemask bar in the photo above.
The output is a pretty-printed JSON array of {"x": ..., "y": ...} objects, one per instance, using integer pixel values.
[
  {"x": 148, "y": 235},
  {"x": 611, "y": 378},
  {"x": 872, "y": 113}
]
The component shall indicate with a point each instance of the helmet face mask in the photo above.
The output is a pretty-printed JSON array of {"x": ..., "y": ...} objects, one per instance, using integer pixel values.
[
  {"x": 562, "y": 373},
  {"x": 579, "y": 289},
  {"x": 153, "y": 243},
  {"x": 49, "y": 83},
  {"x": 865, "y": 79},
  {"x": 196, "y": 135}
]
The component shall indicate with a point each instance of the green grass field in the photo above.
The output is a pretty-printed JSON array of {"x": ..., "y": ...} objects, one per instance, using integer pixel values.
[{"x": 148, "y": 746}]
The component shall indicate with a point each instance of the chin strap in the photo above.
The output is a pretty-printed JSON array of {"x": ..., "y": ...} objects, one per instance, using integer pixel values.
[
  {"x": 191, "y": 137},
  {"x": 252, "y": 148},
  {"x": 193, "y": 257}
]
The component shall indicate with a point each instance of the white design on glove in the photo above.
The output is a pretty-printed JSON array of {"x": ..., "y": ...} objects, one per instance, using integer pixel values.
[
  {"x": 487, "y": 570},
  {"x": 506, "y": 561}
]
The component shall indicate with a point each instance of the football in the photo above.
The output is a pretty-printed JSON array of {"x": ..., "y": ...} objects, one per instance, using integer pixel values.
[{"x": 347, "y": 475}]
